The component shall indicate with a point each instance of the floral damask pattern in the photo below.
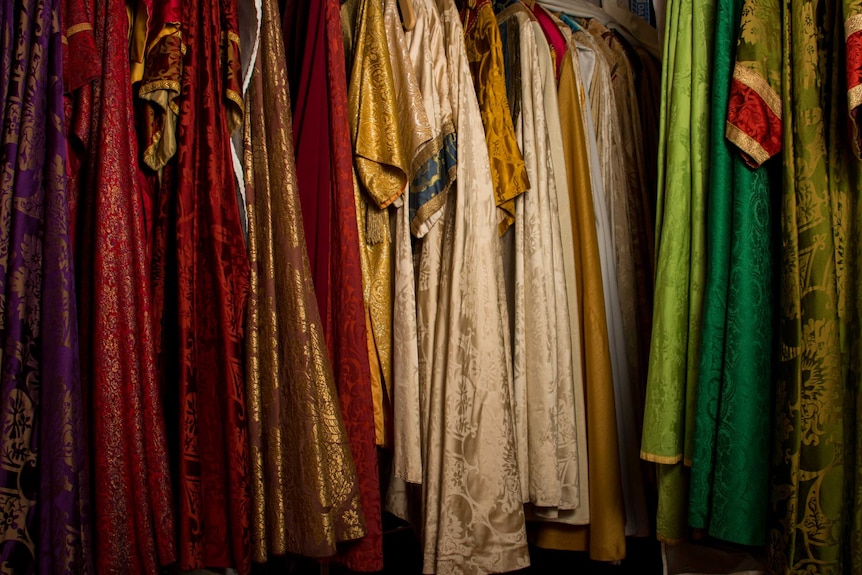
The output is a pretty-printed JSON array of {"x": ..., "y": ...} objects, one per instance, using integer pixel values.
[
  {"x": 815, "y": 474},
  {"x": 43, "y": 475}
]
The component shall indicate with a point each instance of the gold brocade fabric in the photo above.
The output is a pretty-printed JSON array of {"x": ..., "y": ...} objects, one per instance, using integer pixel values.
[
  {"x": 380, "y": 176},
  {"x": 304, "y": 486},
  {"x": 485, "y": 54},
  {"x": 605, "y": 536}
]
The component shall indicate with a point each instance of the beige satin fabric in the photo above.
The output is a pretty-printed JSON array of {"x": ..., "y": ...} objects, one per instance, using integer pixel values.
[
  {"x": 474, "y": 520},
  {"x": 415, "y": 135},
  {"x": 543, "y": 368}
]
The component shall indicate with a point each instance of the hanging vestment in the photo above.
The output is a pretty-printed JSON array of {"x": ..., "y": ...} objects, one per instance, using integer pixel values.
[
  {"x": 635, "y": 280},
  {"x": 380, "y": 177},
  {"x": 315, "y": 51},
  {"x": 473, "y": 516},
  {"x": 82, "y": 64},
  {"x": 417, "y": 139},
  {"x": 44, "y": 474},
  {"x": 852, "y": 29},
  {"x": 210, "y": 270},
  {"x": 729, "y": 471},
  {"x": 604, "y": 538},
  {"x": 788, "y": 96},
  {"x": 581, "y": 514},
  {"x": 680, "y": 250},
  {"x": 429, "y": 190},
  {"x": 544, "y": 382},
  {"x": 614, "y": 236},
  {"x": 133, "y": 504},
  {"x": 304, "y": 489}
]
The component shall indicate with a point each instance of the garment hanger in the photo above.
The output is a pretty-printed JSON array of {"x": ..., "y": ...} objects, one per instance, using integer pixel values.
[
  {"x": 408, "y": 16},
  {"x": 579, "y": 9},
  {"x": 636, "y": 30}
]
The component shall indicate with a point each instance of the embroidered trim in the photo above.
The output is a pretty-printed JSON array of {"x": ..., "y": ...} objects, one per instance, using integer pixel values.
[
  {"x": 663, "y": 459},
  {"x": 748, "y": 145},
  {"x": 427, "y": 151},
  {"x": 852, "y": 25},
  {"x": 232, "y": 36},
  {"x": 150, "y": 87},
  {"x": 757, "y": 83},
  {"x": 234, "y": 97},
  {"x": 854, "y": 97},
  {"x": 431, "y": 211}
]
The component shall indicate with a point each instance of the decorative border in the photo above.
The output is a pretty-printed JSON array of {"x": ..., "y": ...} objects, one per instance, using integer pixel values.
[{"x": 753, "y": 116}]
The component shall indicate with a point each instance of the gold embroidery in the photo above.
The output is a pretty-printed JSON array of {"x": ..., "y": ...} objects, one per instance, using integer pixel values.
[
  {"x": 159, "y": 85},
  {"x": 747, "y": 144},
  {"x": 852, "y": 25},
  {"x": 234, "y": 97},
  {"x": 427, "y": 151},
  {"x": 231, "y": 36},
  {"x": 757, "y": 83}
]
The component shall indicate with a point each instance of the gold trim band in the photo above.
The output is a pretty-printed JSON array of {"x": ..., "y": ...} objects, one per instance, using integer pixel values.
[
  {"x": 234, "y": 97},
  {"x": 852, "y": 25},
  {"x": 747, "y": 144},
  {"x": 663, "y": 459},
  {"x": 757, "y": 83}
]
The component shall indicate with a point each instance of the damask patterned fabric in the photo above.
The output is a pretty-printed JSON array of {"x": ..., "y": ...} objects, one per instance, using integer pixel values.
[
  {"x": 581, "y": 514},
  {"x": 416, "y": 137},
  {"x": 325, "y": 182},
  {"x": 789, "y": 87},
  {"x": 133, "y": 502},
  {"x": 729, "y": 473},
  {"x": 545, "y": 426},
  {"x": 304, "y": 484},
  {"x": 208, "y": 263},
  {"x": 44, "y": 476},
  {"x": 380, "y": 177},
  {"x": 305, "y": 45},
  {"x": 435, "y": 179},
  {"x": 82, "y": 64},
  {"x": 473, "y": 515},
  {"x": 680, "y": 250},
  {"x": 485, "y": 54},
  {"x": 635, "y": 277}
]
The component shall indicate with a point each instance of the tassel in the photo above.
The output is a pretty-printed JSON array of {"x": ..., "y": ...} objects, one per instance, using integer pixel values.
[{"x": 376, "y": 224}]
